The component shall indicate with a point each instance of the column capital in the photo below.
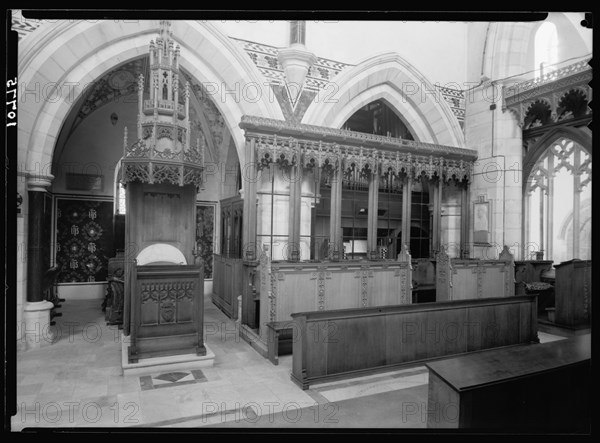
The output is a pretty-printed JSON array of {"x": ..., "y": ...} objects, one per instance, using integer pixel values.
[{"x": 39, "y": 183}]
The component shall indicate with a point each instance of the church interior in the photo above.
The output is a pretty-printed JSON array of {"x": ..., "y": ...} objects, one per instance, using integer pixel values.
[{"x": 319, "y": 224}]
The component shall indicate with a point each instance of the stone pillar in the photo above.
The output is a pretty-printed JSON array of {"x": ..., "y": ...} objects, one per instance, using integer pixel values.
[
  {"x": 497, "y": 174},
  {"x": 36, "y": 312},
  {"x": 296, "y": 60},
  {"x": 576, "y": 205}
]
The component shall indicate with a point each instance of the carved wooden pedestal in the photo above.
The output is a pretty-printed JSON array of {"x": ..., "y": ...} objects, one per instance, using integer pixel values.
[{"x": 167, "y": 311}]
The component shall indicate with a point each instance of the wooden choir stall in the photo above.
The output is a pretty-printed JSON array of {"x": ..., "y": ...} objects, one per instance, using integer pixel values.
[
  {"x": 162, "y": 172},
  {"x": 573, "y": 293},
  {"x": 352, "y": 342},
  {"x": 330, "y": 221},
  {"x": 463, "y": 279}
]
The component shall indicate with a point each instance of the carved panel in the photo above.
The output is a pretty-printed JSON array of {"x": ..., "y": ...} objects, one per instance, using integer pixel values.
[
  {"x": 167, "y": 296},
  {"x": 479, "y": 269},
  {"x": 364, "y": 274}
]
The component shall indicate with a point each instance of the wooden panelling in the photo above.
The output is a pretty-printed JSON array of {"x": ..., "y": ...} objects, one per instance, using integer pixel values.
[
  {"x": 287, "y": 287},
  {"x": 349, "y": 342},
  {"x": 573, "y": 296},
  {"x": 167, "y": 311},
  {"x": 462, "y": 279},
  {"x": 161, "y": 214},
  {"x": 227, "y": 284}
]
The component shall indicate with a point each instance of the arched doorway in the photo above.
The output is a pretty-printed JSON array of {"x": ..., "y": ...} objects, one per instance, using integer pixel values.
[{"x": 74, "y": 69}]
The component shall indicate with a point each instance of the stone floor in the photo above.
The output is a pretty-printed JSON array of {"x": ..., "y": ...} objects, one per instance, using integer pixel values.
[{"x": 77, "y": 382}]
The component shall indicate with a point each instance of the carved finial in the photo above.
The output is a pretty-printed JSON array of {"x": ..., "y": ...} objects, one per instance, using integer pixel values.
[
  {"x": 165, "y": 29},
  {"x": 125, "y": 139}
]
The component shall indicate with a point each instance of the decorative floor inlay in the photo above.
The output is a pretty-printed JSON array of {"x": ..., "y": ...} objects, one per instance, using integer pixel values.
[{"x": 169, "y": 379}]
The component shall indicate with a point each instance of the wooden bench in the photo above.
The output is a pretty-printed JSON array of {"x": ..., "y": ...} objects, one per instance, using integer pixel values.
[
  {"x": 347, "y": 343},
  {"x": 279, "y": 339}
]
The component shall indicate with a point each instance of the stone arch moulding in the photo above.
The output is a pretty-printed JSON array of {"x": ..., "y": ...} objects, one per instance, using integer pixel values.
[
  {"x": 394, "y": 80},
  {"x": 536, "y": 151},
  {"x": 509, "y": 46},
  {"x": 70, "y": 55}
]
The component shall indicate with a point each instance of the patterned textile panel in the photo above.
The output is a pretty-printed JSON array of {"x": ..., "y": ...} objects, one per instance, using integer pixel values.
[
  {"x": 84, "y": 240},
  {"x": 205, "y": 217}
]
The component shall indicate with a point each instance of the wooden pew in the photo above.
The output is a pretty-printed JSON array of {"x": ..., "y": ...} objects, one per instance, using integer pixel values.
[
  {"x": 288, "y": 287},
  {"x": 540, "y": 387},
  {"x": 463, "y": 279},
  {"x": 280, "y": 339},
  {"x": 227, "y": 284},
  {"x": 573, "y": 295},
  {"x": 354, "y": 342},
  {"x": 423, "y": 280}
]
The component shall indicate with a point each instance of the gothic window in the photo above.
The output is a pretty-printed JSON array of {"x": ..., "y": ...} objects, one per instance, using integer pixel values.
[{"x": 557, "y": 193}]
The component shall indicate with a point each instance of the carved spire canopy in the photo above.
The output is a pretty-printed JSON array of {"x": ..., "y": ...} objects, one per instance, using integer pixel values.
[{"x": 163, "y": 151}]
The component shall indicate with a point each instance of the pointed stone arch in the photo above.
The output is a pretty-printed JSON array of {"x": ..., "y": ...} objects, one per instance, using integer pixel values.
[
  {"x": 389, "y": 77},
  {"x": 60, "y": 59},
  {"x": 509, "y": 46}
]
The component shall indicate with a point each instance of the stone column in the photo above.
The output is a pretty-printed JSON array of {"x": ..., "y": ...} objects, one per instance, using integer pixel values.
[
  {"x": 497, "y": 173},
  {"x": 576, "y": 205},
  {"x": 36, "y": 312}
]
